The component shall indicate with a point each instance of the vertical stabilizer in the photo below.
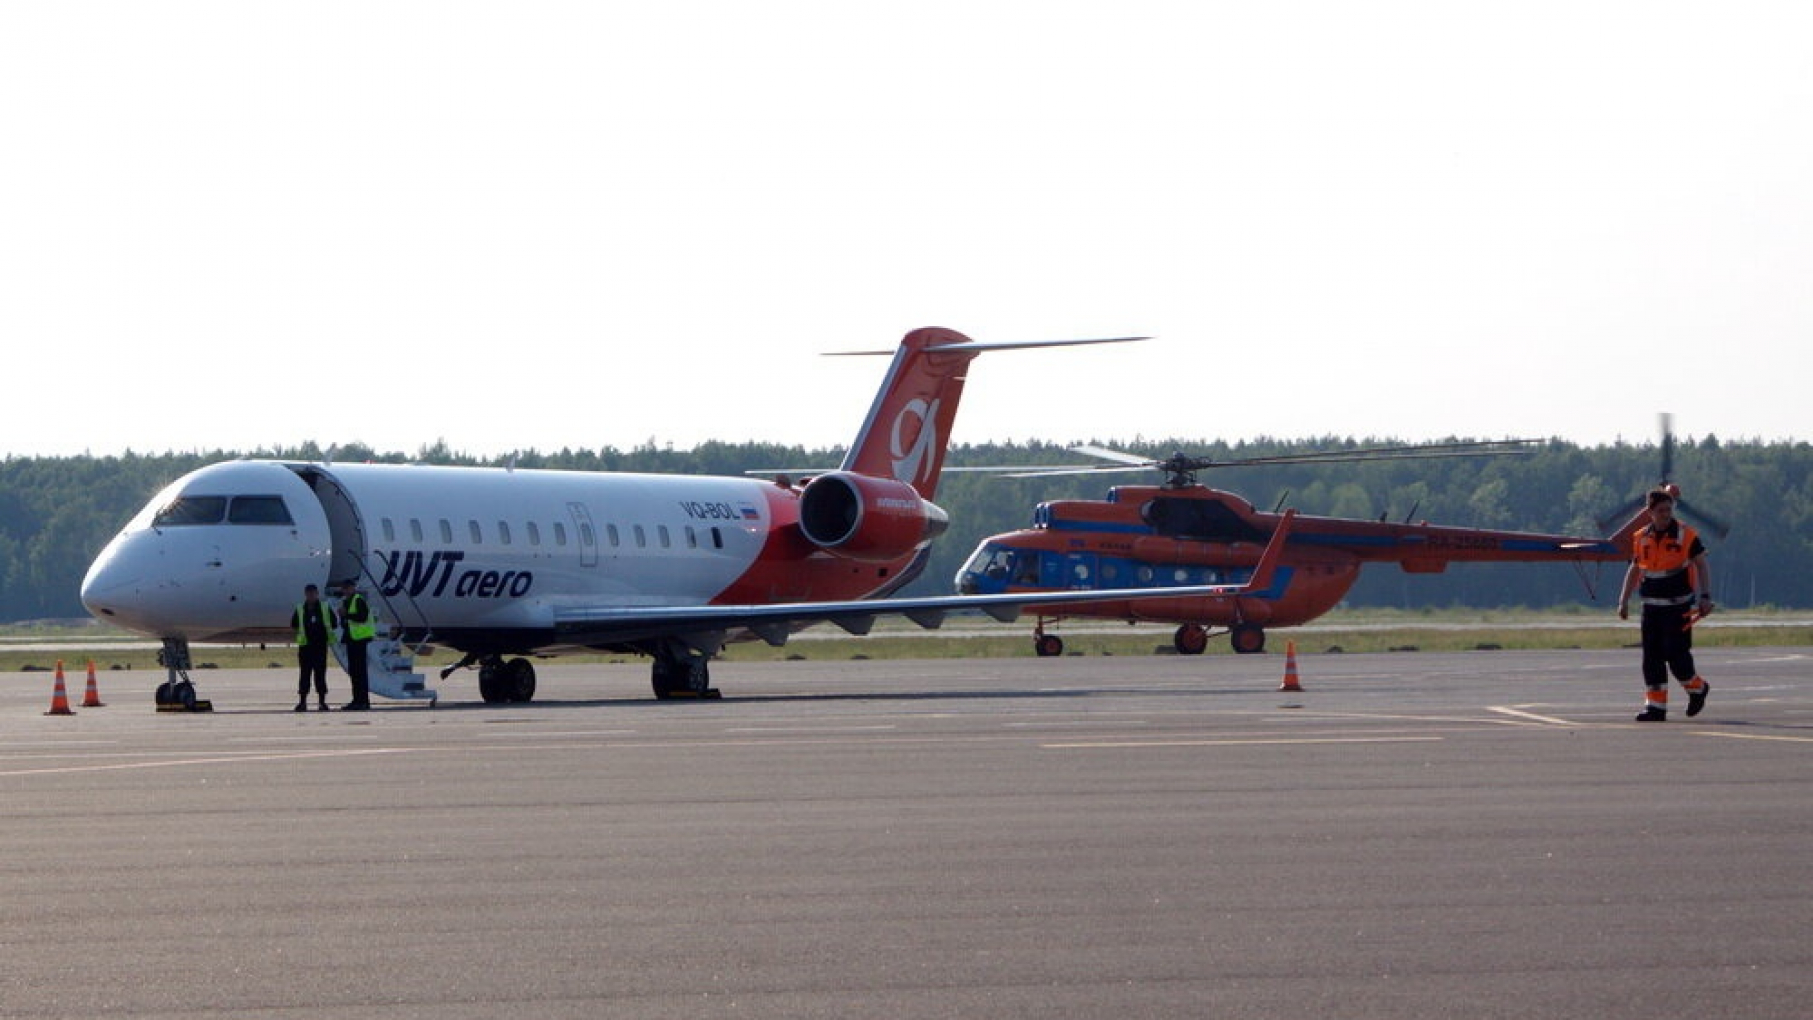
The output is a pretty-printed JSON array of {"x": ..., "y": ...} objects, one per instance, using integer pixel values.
[{"x": 908, "y": 428}]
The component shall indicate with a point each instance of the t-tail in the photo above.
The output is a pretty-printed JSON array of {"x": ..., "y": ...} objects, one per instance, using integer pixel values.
[{"x": 908, "y": 429}]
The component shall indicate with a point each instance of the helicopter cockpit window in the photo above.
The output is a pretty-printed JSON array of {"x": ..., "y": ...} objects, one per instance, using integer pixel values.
[
  {"x": 184, "y": 510},
  {"x": 259, "y": 510}
]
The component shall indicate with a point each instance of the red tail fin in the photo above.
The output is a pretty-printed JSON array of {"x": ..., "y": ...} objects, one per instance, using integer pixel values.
[{"x": 909, "y": 427}]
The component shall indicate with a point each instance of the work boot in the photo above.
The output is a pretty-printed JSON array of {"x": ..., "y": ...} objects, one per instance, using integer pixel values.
[
  {"x": 302, "y": 706},
  {"x": 324, "y": 704},
  {"x": 357, "y": 706},
  {"x": 1653, "y": 714},
  {"x": 1696, "y": 700}
]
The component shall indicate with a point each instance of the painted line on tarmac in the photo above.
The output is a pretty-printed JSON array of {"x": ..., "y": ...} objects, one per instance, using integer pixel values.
[
  {"x": 1754, "y": 736},
  {"x": 179, "y": 762},
  {"x": 1239, "y": 742},
  {"x": 1517, "y": 712}
]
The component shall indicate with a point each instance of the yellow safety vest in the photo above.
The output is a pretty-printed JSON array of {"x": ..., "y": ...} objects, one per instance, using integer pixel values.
[
  {"x": 328, "y": 622},
  {"x": 359, "y": 630}
]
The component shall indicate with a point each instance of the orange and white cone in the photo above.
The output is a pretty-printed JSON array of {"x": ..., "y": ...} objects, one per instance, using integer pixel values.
[
  {"x": 59, "y": 697},
  {"x": 91, "y": 698},
  {"x": 1291, "y": 682}
]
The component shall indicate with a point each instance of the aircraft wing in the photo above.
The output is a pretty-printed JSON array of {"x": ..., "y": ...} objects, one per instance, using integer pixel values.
[
  {"x": 606, "y": 624},
  {"x": 580, "y": 625}
]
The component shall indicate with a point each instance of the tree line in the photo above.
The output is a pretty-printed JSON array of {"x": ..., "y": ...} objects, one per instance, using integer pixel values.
[{"x": 57, "y": 513}]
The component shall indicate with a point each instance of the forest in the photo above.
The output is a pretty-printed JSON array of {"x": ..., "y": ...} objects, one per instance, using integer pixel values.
[{"x": 57, "y": 513}]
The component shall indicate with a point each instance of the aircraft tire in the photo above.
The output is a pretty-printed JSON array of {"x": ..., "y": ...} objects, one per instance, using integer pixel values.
[
  {"x": 1048, "y": 645},
  {"x": 1190, "y": 639},
  {"x": 518, "y": 681},
  {"x": 1247, "y": 639},
  {"x": 164, "y": 694},
  {"x": 491, "y": 683}
]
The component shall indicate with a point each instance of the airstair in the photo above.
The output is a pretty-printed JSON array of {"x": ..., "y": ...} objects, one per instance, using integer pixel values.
[{"x": 390, "y": 669}]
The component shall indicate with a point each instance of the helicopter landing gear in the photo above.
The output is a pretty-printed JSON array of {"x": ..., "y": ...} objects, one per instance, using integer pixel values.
[
  {"x": 1247, "y": 638},
  {"x": 1190, "y": 639}
]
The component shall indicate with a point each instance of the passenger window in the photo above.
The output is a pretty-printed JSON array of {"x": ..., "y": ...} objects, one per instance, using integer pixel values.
[
  {"x": 415, "y": 530},
  {"x": 503, "y": 532},
  {"x": 717, "y": 539},
  {"x": 560, "y": 534},
  {"x": 446, "y": 531},
  {"x": 666, "y": 542},
  {"x": 191, "y": 510},
  {"x": 641, "y": 538},
  {"x": 478, "y": 533},
  {"x": 692, "y": 538},
  {"x": 258, "y": 510},
  {"x": 610, "y": 531},
  {"x": 390, "y": 531},
  {"x": 534, "y": 534}
]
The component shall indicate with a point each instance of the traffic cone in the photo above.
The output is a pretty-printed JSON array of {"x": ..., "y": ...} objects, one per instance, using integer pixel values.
[
  {"x": 92, "y": 697},
  {"x": 59, "y": 698},
  {"x": 1290, "y": 668}
]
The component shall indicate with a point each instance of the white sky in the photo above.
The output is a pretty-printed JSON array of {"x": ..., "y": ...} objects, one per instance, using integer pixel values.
[{"x": 544, "y": 225}]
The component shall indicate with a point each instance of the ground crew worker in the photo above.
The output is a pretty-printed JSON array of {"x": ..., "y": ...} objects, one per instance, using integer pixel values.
[
  {"x": 1668, "y": 570},
  {"x": 357, "y": 627},
  {"x": 314, "y": 624}
]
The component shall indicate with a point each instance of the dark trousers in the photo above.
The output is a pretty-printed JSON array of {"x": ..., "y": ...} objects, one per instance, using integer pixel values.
[
  {"x": 313, "y": 662},
  {"x": 1667, "y": 645},
  {"x": 355, "y": 669}
]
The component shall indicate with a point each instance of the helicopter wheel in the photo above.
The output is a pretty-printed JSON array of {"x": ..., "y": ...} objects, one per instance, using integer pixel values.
[
  {"x": 1048, "y": 645},
  {"x": 1247, "y": 639},
  {"x": 1190, "y": 639}
]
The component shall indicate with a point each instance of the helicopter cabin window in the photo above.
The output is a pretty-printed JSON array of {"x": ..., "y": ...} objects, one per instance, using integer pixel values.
[
  {"x": 534, "y": 533},
  {"x": 560, "y": 534},
  {"x": 1028, "y": 567},
  {"x": 478, "y": 533},
  {"x": 503, "y": 532},
  {"x": 258, "y": 510},
  {"x": 390, "y": 530},
  {"x": 446, "y": 531},
  {"x": 415, "y": 530},
  {"x": 191, "y": 510}
]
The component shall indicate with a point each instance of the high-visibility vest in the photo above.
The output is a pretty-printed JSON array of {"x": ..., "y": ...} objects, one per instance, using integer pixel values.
[
  {"x": 1664, "y": 559},
  {"x": 358, "y": 630},
  {"x": 328, "y": 622}
]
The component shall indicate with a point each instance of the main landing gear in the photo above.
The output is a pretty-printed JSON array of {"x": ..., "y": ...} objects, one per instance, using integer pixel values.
[
  {"x": 500, "y": 681},
  {"x": 1189, "y": 639},
  {"x": 681, "y": 671}
]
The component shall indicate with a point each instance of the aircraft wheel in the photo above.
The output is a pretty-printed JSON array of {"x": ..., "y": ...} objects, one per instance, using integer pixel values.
[
  {"x": 491, "y": 683},
  {"x": 1190, "y": 639},
  {"x": 1048, "y": 645},
  {"x": 663, "y": 680},
  {"x": 1247, "y": 639},
  {"x": 518, "y": 681},
  {"x": 164, "y": 694}
]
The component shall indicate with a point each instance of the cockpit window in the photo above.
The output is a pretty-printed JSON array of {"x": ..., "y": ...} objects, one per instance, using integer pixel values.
[
  {"x": 191, "y": 510},
  {"x": 259, "y": 510}
]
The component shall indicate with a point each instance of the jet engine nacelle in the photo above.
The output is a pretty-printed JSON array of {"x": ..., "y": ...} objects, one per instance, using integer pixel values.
[{"x": 867, "y": 518}]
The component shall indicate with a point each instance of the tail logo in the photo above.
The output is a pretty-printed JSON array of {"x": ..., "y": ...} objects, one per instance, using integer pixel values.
[{"x": 914, "y": 466}]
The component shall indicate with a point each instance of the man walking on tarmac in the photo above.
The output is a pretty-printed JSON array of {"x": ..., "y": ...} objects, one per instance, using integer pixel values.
[
  {"x": 1668, "y": 570},
  {"x": 357, "y": 628},
  {"x": 314, "y": 624}
]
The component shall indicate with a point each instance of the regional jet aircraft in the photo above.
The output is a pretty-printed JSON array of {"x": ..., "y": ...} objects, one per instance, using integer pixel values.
[{"x": 500, "y": 564}]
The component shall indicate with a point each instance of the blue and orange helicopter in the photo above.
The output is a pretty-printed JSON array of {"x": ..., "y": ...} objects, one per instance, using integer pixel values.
[{"x": 1181, "y": 532}]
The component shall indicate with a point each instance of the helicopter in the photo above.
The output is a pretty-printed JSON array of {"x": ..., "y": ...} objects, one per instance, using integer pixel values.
[{"x": 1182, "y": 532}]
